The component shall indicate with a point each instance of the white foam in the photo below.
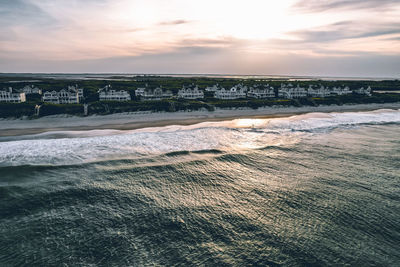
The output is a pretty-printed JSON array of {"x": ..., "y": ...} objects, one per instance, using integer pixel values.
[
  {"x": 89, "y": 146},
  {"x": 316, "y": 121}
]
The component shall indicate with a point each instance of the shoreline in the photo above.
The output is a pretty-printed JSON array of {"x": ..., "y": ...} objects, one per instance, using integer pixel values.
[{"x": 140, "y": 120}]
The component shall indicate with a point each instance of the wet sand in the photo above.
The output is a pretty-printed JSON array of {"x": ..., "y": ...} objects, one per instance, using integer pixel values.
[{"x": 136, "y": 120}]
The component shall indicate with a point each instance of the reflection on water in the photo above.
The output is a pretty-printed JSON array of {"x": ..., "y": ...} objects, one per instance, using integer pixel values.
[
  {"x": 307, "y": 190},
  {"x": 59, "y": 148}
]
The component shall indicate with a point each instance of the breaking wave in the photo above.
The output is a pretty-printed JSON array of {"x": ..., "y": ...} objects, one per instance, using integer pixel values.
[{"x": 74, "y": 147}]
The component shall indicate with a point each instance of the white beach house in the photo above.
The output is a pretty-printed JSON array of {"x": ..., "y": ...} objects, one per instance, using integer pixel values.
[
  {"x": 318, "y": 92},
  {"x": 261, "y": 91},
  {"x": 190, "y": 92},
  {"x": 290, "y": 92},
  {"x": 61, "y": 97},
  {"x": 108, "y": 94},
  {"x": 51, "y": 97},
  {"x": 31, "y": 89},
  {"x": 341, "y": 91},
  {"x": 139, "y": 92},
  {"x": 362, "y": 91},
  {"x": 213, "y": 88},
  {"x": 234, "y": 93},
  {"x": 79, "y": 90},
  {"x": 147, "y": 94},
  {"x": 242, "y": 87},
  {"x": 7, "y": 95}
]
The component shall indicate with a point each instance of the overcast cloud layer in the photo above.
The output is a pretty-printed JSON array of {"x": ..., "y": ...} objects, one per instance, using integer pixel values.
[{"x": 289, "y": 37}]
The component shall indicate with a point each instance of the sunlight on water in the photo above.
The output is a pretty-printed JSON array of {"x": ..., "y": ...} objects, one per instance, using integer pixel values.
[
  {"x": 70, "y": 147},
  {"x": 250, "y": 123},
  {"x": 309, "y": 190}
]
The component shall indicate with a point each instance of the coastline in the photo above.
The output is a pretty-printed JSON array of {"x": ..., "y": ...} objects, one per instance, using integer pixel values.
[{"x": 139, "y": 120}]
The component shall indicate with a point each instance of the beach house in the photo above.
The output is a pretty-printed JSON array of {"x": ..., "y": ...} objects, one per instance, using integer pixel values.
[
  {"x": 362, "y": 91},
  {"x": 242, "y": 87},
  {"x": 7, "y": 95},
  {"x": 321, "y": 91},
  {"x": 283, "y": 91},
  {"x": 79, "y": 90},
  {"x": 261, "y": 91},
  {"x": 139, "y": 92},
  {"x": 147, "y": 93},
  {"x": 108, "y": 94},
  {"x": 290, "y": 92},
  {"x": 190, "y": 92},
  {"x": 51, "y": 97},
  {"x": 64, "y": 96},
  {"x": 234, "y": 93},
  {"x": 213, "y": 88},
  {"x": 31, "y": 89},
  {"x": 341, "y": 91}
]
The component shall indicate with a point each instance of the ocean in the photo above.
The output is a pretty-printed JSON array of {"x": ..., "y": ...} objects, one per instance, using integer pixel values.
[
  {"x": 36, "y": 77},
  {"x": 320, "y": 189}
]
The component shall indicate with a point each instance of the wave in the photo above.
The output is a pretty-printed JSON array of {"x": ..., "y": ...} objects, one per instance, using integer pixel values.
[
  {"x": 317, "y": 121},
  {"x": 199, "y": 152},
  {"x": 61, "y": 135},
  {"x": 68, "y": 148}
]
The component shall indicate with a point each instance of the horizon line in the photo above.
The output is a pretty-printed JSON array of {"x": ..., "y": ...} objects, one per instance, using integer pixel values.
[{"x": 194, "y": 74}]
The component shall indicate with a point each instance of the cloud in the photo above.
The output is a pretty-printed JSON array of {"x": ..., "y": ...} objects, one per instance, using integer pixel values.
[
  {"x": 174, "y": 22},
  {"x": 218, "y": 60},
  {"x": 324, "y": 5},
  {"x": 23, "y": 12},
  {"x": 347, "y": 30},
  {"x": 397, "y": 38},
  {"x": 209, "y": 42},
  {"x": 149, "y": 36}
]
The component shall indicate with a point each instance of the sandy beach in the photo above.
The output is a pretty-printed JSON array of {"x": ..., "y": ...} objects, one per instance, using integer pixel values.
[{"x": 137, "y": 120}]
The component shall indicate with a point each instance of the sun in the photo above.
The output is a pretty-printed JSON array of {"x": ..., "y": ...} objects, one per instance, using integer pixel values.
[{"x": 259, "y": 20}]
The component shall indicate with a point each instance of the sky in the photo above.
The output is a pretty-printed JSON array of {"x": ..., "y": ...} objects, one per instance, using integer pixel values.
[{"x": 346, "y": 38}]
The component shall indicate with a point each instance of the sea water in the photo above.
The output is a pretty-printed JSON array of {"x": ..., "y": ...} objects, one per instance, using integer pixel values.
[{"x": 314, "y": 189}]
